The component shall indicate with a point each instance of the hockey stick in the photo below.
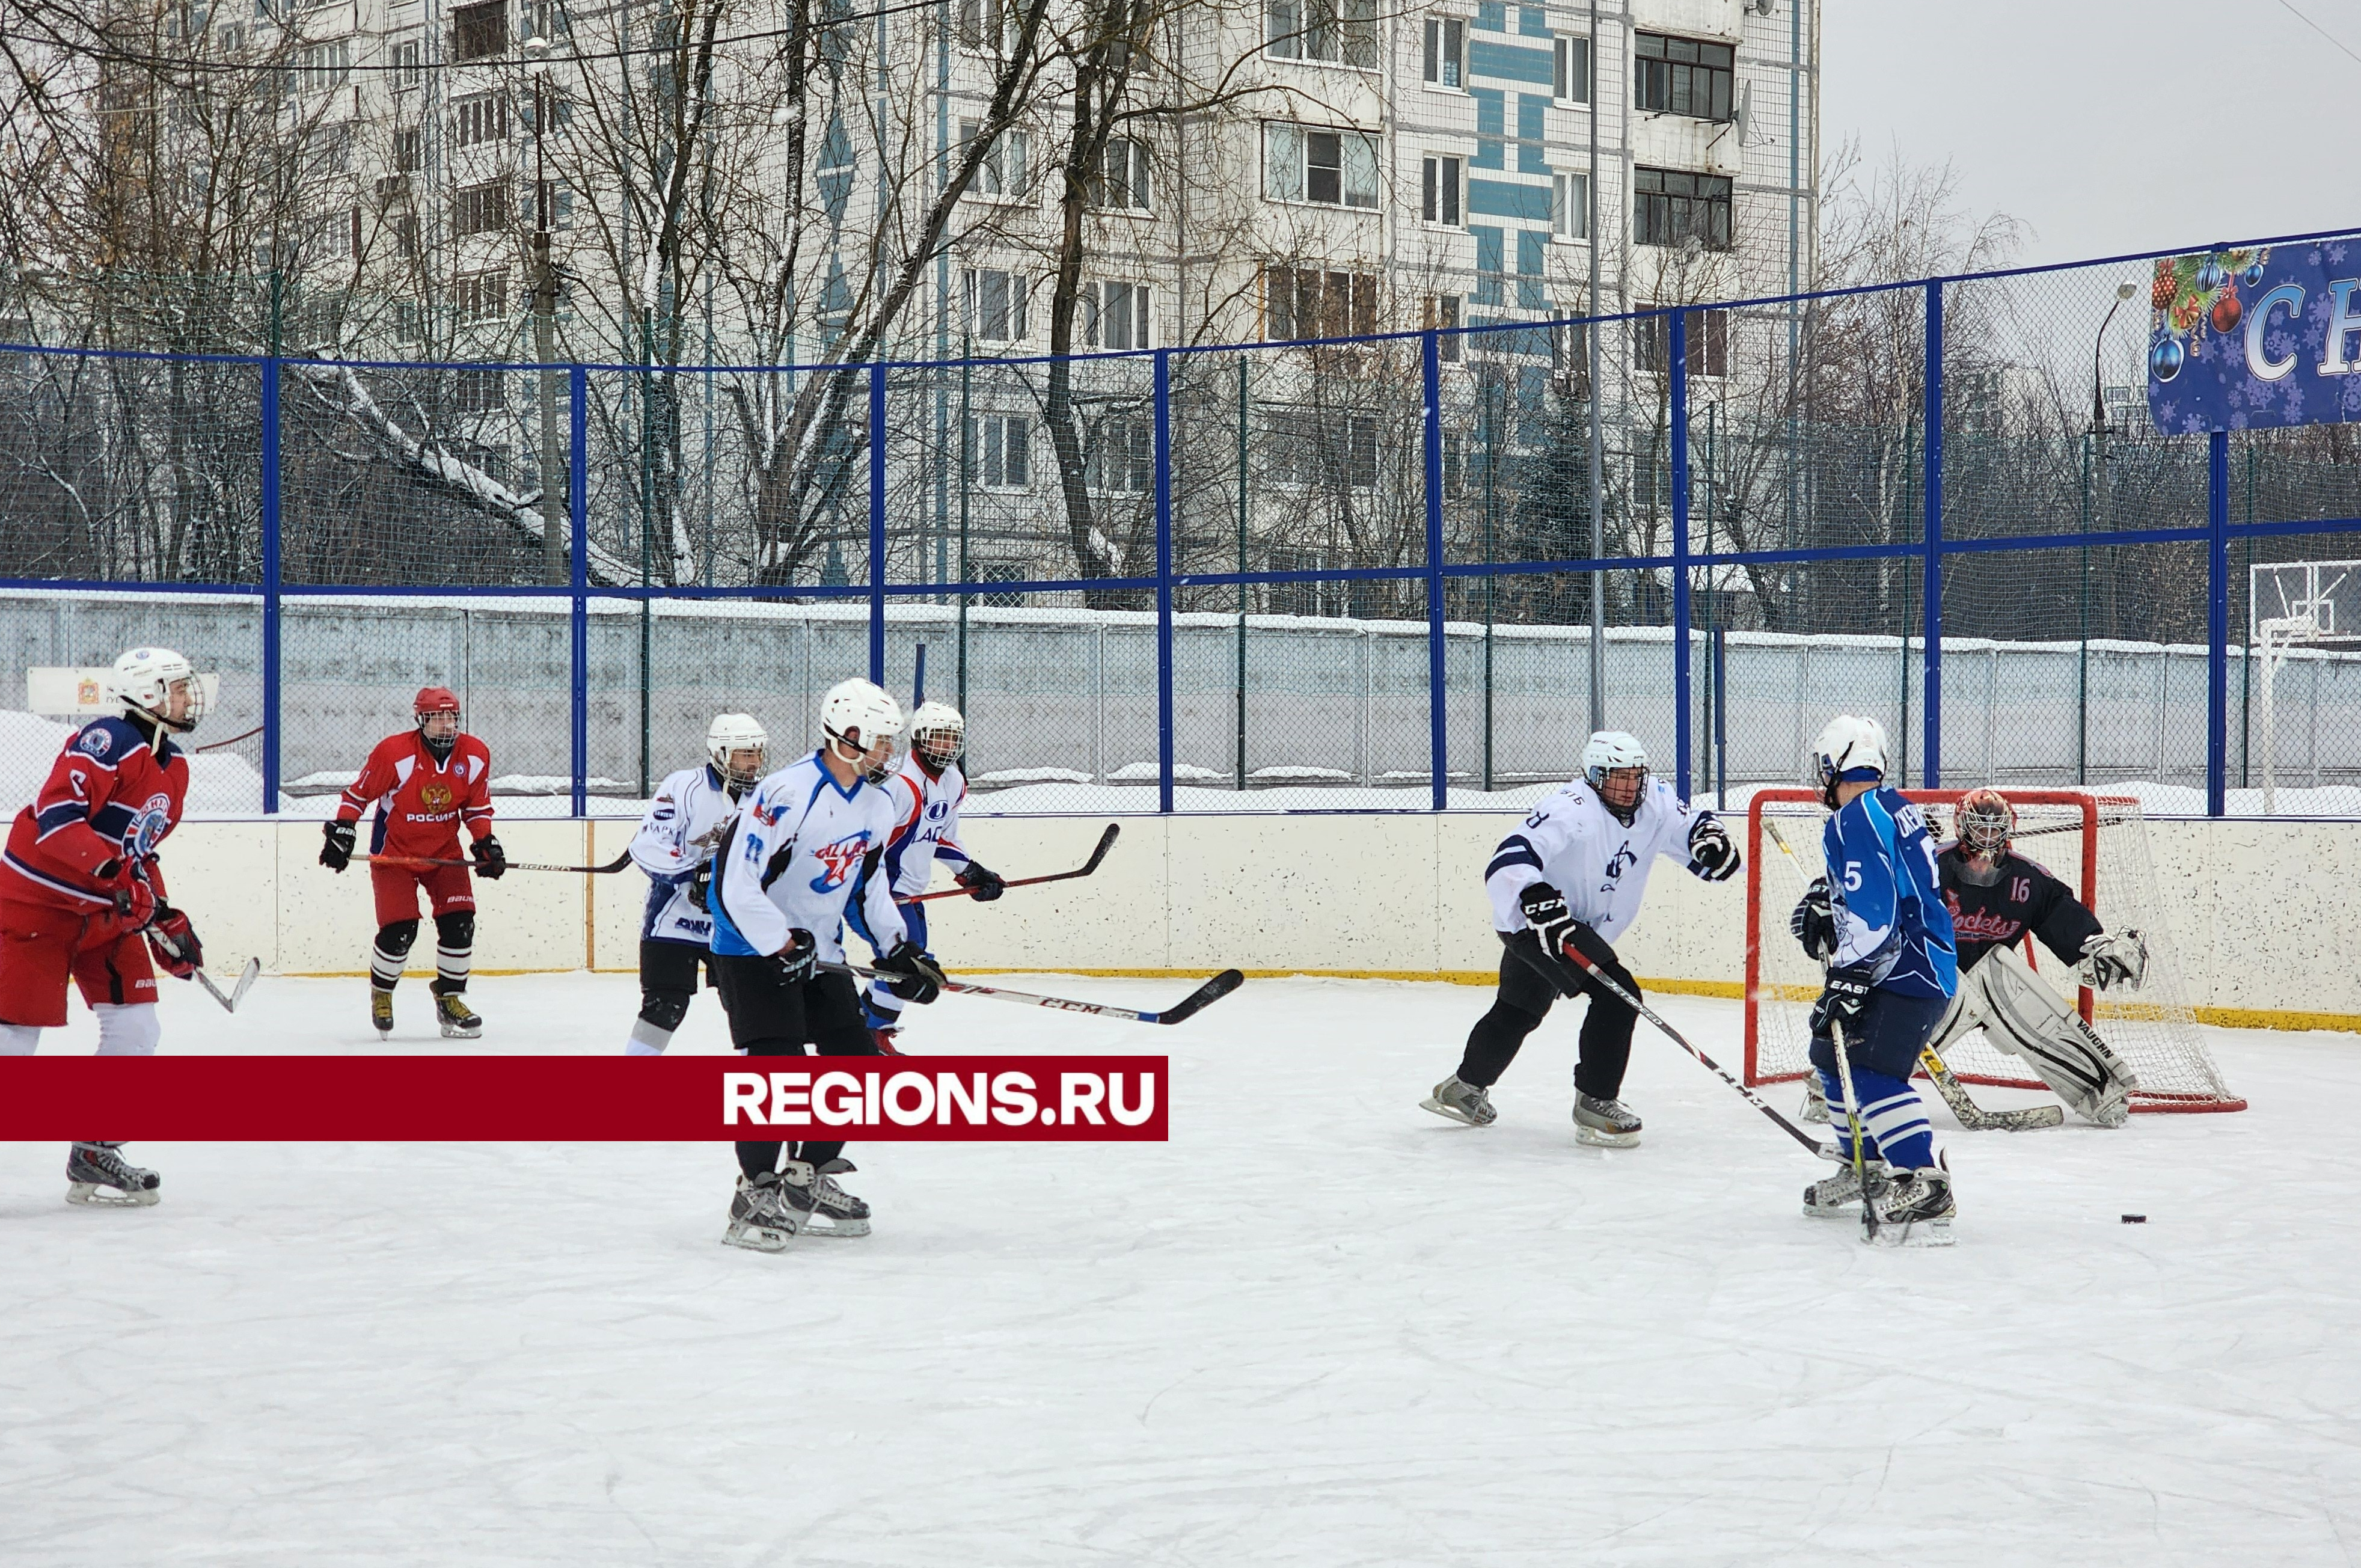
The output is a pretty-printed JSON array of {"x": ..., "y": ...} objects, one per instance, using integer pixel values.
[
  {"x": 236, "y": 993},
  {"x": 1576, "y": 956},
  {"x": 1188, "y": 1007},
  {"x": 1106, "y": 841},
  {"x": 421, "y": 862},
  {"x": 1972, "y": 1117},
  {"x": 1852, "y": 1117}
]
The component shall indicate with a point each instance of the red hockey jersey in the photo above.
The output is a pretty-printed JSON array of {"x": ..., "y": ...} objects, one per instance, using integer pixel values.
[
  {"x": 113, "y": 796},
  {"x": 422, "y": 803}
]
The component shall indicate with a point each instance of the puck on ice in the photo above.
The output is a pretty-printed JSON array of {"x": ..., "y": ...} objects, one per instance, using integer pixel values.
[{"x": 2135, "y": 1219}]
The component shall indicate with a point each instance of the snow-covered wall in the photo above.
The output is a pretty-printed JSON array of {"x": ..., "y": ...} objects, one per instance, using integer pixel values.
[{"x": 2260, "y": 911}]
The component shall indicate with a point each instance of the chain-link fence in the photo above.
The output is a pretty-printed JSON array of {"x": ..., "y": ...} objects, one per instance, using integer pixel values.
[{"x": 1404, "y": 572}]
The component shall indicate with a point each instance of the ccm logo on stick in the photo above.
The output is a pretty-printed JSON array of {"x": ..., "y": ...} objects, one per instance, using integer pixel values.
[{"x": 943, "y": 1098}]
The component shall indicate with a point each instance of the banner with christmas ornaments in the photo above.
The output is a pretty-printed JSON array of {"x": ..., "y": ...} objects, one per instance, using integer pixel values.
[{"x": 2255, "y": 338}]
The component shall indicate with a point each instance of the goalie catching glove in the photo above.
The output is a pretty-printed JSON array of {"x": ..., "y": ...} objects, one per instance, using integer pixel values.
[{"x": 2114, "y": 958}]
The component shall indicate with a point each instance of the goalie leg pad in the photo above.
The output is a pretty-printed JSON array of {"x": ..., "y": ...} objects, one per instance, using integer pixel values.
[{"x": 2025, "y": 1018}]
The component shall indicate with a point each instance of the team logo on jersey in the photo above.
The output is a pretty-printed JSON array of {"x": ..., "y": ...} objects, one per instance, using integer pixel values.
[
  {"x": 436, "y": 797},
  {"x": 766, "y": 812},
  {"x": 148, "y": 827},
  {"x": 836, "y": 861},
  {"x": 97, "y": 741},
  {"x": 1622, "y": 860}
]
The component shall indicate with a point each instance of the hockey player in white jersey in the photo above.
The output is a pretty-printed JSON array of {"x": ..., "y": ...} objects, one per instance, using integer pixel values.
[
  {"x": 787, "y": 867},
  {"x": 1573, "y": 876},
  {"x": 927, "y": 791},
  {"x": 675, "y": 845}
]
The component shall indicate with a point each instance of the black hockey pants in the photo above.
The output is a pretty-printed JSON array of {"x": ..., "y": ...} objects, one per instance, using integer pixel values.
[
  {"x": 1523, "y": 999},
  {"x": 770, "y": 1016}
]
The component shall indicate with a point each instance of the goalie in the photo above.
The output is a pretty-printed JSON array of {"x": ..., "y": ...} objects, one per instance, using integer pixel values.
[{"x": 1996, "y": 898}]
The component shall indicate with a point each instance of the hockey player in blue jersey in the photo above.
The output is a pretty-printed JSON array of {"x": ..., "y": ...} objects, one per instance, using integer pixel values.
[{"x": 1878, "y": 920}]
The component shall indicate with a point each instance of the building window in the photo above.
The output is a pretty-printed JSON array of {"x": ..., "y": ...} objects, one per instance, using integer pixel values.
[
  {"x": 1121, "y": 178},
  {"x": 322, "y": 66},
  {"x": 1442, "y": 318},
  {"x": 1114, "y": 316},
  {"x": 989, "y": 25},
  {"x": 1669, "y": 207},
  {"x": 1681, "y": 76},
  {"x": 409, "y": 321},
  {"x": 479, "y": 31},
  {"x": 999, "y": 450},
  {"x": 995, "y": 305},
  {"x": 554, "y": 207},
  {"x": 405, "y": 234},
  {"x": 480, "y": 119},
  {"x": 1341, "y": 31},
  {"x": 1334, "y": 169},
  {"x": 409, "y": 150},
  {"x": 1322, "y": 446},
  {"x": 1309, "y": 302},
  {"x": 1122, "y": 456},
  {"x": 1708, "y": 343},
  {"x": 1440, "y": 182},
  {"x": 1570, "y": 70},
  {"x": 1445, "y": 63},
  {"x": 480, "y": 296},
  {"x": 1004, "y": 172},
  {"x": 479, "y": 209},
  {"x": 1570, "y": 206},
  {"x": 478, "y": 391},
  {"x": 409, "y": 64}
]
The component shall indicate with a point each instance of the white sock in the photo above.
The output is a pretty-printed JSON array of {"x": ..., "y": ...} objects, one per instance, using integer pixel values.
[
  {"x": 131, "y": 1029},
  {"x": 19, "y": 1039},
  {"x": 647, "y": 1040}
]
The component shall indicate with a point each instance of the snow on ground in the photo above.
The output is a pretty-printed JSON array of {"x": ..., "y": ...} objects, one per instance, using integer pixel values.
[{"x": 1318, "y": 1327}]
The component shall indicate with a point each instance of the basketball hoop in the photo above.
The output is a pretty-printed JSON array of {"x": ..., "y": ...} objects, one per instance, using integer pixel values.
[{"x": 2297, "y": 602}]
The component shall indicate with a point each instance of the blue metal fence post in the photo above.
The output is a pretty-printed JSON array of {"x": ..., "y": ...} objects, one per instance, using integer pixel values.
[
  {"x": 270, "y": 655},
  {"x": 1931, "y": 619},
  {"x": 1684, "y": 706},
  {"x": 1437, "y": 739},
  {"x": 1164, "y": 715},
  {"x": 877, "y": 523},
  {"x": 2217, "y": 623},
  {"x": 577, "y": 516}
]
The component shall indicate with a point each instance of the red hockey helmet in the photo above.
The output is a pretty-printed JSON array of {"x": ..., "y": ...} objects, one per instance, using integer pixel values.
[{"x": 435, "y": 699}]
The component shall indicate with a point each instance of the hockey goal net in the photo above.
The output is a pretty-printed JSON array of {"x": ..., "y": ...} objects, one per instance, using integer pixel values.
[{"x": 2096, "y": 844}]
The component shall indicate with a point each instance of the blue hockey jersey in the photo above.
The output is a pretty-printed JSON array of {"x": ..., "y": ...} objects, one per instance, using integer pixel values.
[{"x": 1887, "y": 896}]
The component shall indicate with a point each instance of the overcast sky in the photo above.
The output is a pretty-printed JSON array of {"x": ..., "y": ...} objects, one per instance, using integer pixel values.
[{"x": 2110, "y": 125}]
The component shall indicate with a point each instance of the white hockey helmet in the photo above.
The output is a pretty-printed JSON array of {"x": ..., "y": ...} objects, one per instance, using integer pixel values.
[
  {"x": 1849, "y": 748},
  {"x": 730, "y": 733},
  {"x": 144, "y": 679},
  {"x": 1612, "y": 751},
  {"x": 938, "y": 735},
  {"x": 863, "y": 718}
]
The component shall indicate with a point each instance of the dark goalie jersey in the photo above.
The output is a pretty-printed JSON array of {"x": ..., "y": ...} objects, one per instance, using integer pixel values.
[{"x": 2023, "y": 898}]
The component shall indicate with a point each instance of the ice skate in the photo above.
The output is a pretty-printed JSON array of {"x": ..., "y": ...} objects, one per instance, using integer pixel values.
[
  {"x": 92, "y": 1167},
  {"x": 1816, "y": 1100},
  {"x": 1833, "y": 1197},
  {"x": 381, "y": 1012},
  {"x": 823, "y": 1208},
  {"x": 760, "y": 1219},
  {"x": 1604, "y": 1124},
  {"x": 884, "y": 1040},
  {"x": 1916, "y": 1209},
  {"x": 458, "y": 1020},
  {"x": 1466, "y": 1102}
]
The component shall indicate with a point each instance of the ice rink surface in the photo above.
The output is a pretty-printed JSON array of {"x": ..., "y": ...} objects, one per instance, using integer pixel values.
[{"x": 1320, "y": 1327}]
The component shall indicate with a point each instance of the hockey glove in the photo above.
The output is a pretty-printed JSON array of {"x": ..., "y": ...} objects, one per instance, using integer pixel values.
[
  {"x": 700, "y": 887},
  {"x": 1813, "y": 921},
  {"x": 911, "y": 973},
  {"x": 2113, "y": 959},
  {"x": 134, "y": 901},
  {"x": 490, "y": 859},
  {"x": 1546, "y": 911},
  {"x": 985, "y": 884},
  {"x": 175, "y": 945},
  {"x": 795, "y": 961},
  {"x": 1842, "y": 999},
  {"x": 1712, "y": 854},
  {"x": 338, "y": 852}
]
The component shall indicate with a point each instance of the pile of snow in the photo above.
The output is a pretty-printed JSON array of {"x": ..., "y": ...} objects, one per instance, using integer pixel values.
[{"x": 221, "y": 783}]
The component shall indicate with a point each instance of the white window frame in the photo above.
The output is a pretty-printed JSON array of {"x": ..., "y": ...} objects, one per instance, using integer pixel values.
[
  {"x": 1136, "y": 193},
  {"x": 1109, "y": 302},
  {"x": 1570, "y": 207},
  {"x": 1009, "y": 150},
  {"x": 1287, "y": 164},
  {"x": 1343, "y": 36},
  {"x": 409, "y": 64},
  {"x": 1444, "y": 314},
  {"x": 1443, "y": 190},
  {"x": 480, "y": 119},
  {"x": 1442, "y": 55},
  {"x": 988, "y": 465},
  {"x": 977, "y": 285},
  {"x": 1562, "y": 85}
]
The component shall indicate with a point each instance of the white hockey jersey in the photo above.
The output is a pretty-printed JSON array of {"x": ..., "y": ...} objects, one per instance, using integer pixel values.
[
  {"x": 926, "y": 824},
  {"x": 1574, "y": 844},
  {"x": 794, "y": 860},
  {"x": 684, "y": 824}
]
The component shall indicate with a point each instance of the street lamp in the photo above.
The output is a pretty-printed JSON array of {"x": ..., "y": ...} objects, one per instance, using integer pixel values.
[
  {"x": 554, "y": 564},
  {"x": 2124, "y": 291}
]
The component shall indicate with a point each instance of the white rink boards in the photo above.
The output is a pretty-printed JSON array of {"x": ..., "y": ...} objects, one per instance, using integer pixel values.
[{"x": 1320, "y": 1327}]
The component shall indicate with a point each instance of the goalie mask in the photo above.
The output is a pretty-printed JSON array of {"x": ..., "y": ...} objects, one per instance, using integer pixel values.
[{"x": 1983, "y": 821}]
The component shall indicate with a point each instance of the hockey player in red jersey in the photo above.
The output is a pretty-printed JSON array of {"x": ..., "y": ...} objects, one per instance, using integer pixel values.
[
  {"x": 426, "y": 784},
  {"x": 80, "y": 887}
]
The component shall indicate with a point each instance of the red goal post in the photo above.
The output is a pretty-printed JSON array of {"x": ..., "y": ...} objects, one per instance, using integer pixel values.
[{"x": 2096, "y": 843}]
